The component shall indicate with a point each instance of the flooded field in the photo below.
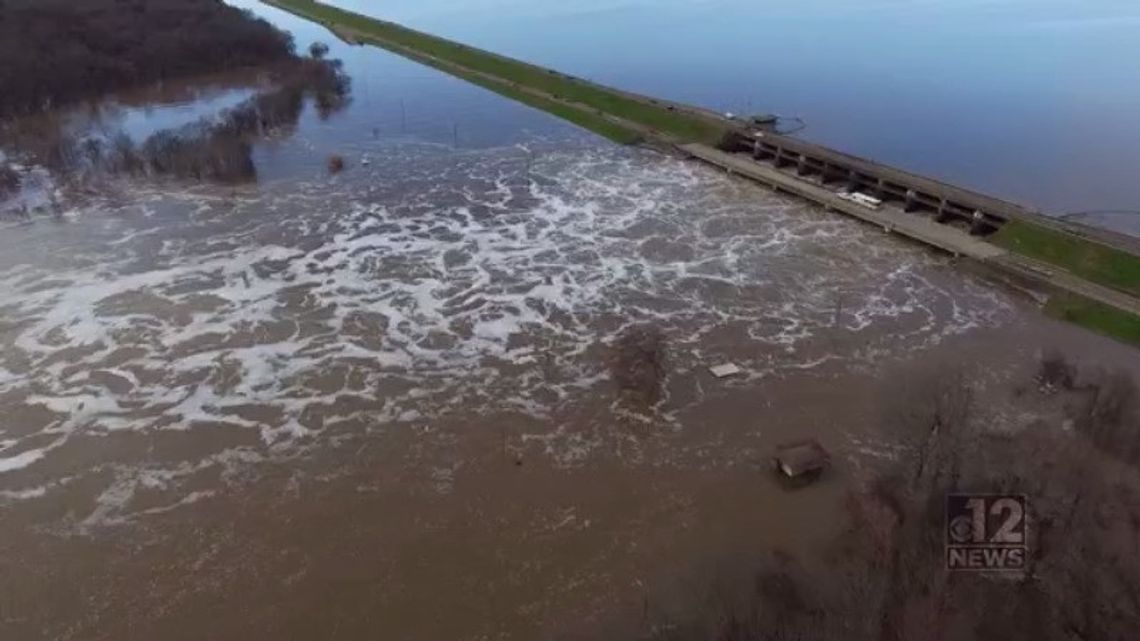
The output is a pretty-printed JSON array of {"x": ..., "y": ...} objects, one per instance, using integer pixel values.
[{"x": 382, "y": 403}]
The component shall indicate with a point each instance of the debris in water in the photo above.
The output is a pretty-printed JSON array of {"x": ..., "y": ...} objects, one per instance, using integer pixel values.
[
  {"x": 724, "y": 369},
  {"x": 336, "y": 163}
]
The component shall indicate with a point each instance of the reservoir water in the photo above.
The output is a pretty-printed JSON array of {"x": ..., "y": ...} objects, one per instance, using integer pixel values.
[{"x": 1033, "y": 101}]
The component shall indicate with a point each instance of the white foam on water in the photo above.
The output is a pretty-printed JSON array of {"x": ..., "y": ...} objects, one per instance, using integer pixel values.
[
  {"x": 20, "y": 460},
  {"x": 27, "y": 457},
  {"x": 23, "y": 495},
  {"x": 438, "y": 283},
  {"x": 113, "y": 504}
]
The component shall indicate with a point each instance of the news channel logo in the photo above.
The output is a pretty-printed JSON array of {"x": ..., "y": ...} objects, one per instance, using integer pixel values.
[{"x": 986, "y": 532}]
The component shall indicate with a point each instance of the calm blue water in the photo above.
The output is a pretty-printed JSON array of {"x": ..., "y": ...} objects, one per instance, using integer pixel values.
[{"x": 1033, "y": 100}]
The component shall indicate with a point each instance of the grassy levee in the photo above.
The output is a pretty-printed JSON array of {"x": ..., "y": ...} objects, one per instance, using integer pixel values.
[
  {"x": 1100, "y": 318},
  {"x": 599, "y": 125},
  {"x": 592, "y": 106},
  {"x": 587, "y": 119},
  {"x": 1088, "y": 259}
]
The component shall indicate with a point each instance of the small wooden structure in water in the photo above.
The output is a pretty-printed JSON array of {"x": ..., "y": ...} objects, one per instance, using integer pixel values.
[{"x": 801, "y": 461}]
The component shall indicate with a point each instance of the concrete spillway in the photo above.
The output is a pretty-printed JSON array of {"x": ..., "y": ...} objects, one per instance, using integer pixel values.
[{"x": 893, "y": 217}]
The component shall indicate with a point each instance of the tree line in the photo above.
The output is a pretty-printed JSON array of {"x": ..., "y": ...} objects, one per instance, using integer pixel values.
[
  {"x": 216, "y": 148},
  {"x": 56, "y": 52}
]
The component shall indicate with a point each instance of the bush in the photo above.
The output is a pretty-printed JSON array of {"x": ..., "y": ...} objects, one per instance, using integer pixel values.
[
  {"x": 318, "y": 50},
  {"x": 1056, "y": 372},
  {"x": 217, "y": 149}
]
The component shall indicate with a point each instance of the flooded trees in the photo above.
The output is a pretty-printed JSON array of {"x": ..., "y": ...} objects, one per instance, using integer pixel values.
[
  {"x": 206, "y": 155},
  {"x": 1110, "y": 414},
  {"x": 326, "y": 83},
  {"x": 930, "y": 411},
  {"x": 217, "y": 148},
  {"x": 885, "y": 577},
  {"x": 107, "y": 45},
  {"x": 1081, "y": 575},
  {"x": 1055, "y": 372},
  {"x": 59, "y": 51}
]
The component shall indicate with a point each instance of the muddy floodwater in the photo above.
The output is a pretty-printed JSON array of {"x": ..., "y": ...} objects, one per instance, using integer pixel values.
[{"x": 380, "y": 404}]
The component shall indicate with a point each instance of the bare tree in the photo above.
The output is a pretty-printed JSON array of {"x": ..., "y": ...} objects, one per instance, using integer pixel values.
[
  {"x": 929, "y": 411},
  {"x": 1110, "y": 414},
  {"x": 1056, "y": 372}
]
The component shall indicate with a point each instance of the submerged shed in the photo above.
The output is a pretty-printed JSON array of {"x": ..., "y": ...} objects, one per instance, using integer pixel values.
[{"x": 801, "y": 460}]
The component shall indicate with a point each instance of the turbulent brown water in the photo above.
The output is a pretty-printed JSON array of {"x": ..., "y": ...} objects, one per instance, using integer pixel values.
[
  {"x": 381, "y": 404},
  {"x": 413, "y": 358},
  {"x": 431, "y": 284}
]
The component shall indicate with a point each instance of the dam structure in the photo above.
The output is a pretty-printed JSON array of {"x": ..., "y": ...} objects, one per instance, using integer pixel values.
[{"x": 1091, "y": 276}]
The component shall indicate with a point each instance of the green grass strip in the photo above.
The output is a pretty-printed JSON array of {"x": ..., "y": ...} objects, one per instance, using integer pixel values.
[
  {"x": 598, "y": 125},
  {"x": 1085, "y": 258},
  {"x": 1100, "y": 318},
  {"x": 679, "y": 125}
]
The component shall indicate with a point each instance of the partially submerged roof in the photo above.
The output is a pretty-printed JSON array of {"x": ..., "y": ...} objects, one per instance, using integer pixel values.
[{"x": 798, "y": 457}]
